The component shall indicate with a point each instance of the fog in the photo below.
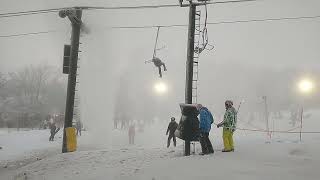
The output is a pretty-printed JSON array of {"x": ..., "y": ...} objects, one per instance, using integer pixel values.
[{"x": 250, "y": 60}]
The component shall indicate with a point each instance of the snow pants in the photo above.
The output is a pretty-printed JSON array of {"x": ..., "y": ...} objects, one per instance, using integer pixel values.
[
  {"x": 131, "y": 139},
  {"x": 78, "y": 131},
  {"x": 52, "y": 133},
  {"x": 206, "y": 145},
  {"x": 172, "y": 136},
  {"x": 227, "y": 139}
]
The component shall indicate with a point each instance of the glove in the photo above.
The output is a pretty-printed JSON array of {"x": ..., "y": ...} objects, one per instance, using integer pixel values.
[{"x": 219, "y": 125}]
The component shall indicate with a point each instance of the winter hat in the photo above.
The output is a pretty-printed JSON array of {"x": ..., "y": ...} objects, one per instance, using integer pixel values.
[
  {"x": 199, "y": 106},
  {"x": 229, "y": 103}
]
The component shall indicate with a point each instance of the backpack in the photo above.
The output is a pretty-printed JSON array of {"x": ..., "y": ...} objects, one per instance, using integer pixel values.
[{"x": 210, "y": 116}]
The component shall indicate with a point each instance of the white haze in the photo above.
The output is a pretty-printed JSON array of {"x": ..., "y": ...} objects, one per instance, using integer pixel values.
[{"x": 250, "y": 60}]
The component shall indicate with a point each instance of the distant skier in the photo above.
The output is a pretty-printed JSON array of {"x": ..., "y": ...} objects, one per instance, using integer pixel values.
[
  {"x": 171, "y": 129},
  {"x": 53, "y": 131},
  {"x": 123, "y": 123},
  {"x": 131, "y": 133},
  {"x": 78, "y": 127},
  {"x": 206, "y": 119},
  {"x": 229, "y": 126},
  {"x": 115, "y": 123}
]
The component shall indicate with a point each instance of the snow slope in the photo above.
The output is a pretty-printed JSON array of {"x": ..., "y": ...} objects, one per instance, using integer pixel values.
[
  {"x": 17, "y": 144},
  {"x": 252, "y": 160},
  {"x": 256, "y": 157}
]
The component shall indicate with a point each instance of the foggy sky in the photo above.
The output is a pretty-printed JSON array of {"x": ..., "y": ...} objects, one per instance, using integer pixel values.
[
  {"x": 285, "y": 43},
  {"x": 249, "y": 60}
]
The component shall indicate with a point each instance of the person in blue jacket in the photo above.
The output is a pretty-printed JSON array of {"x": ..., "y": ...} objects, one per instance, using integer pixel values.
[{"x": 206, "y": 119}]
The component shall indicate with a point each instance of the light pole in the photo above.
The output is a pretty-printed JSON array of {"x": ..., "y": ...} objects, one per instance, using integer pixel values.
[{"x": 306, "y": 87}]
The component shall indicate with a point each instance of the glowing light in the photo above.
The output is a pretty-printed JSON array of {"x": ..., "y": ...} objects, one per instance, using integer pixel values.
[
  {"x": 160, "y": 88},
  {"x": 306, "y": 86}
]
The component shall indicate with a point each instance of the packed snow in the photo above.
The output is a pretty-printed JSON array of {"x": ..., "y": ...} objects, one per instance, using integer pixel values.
[{"x": 29, "y": 155}]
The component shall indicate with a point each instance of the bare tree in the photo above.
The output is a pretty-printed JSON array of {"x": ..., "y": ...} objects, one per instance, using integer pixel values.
[
  {"x": 3, "y": 80},
  {"x": 31, "y": 93},
  {"x": 31, "y": 81}
]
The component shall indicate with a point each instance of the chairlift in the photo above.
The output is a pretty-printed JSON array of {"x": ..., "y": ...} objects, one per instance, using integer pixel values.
[{"x": 157, "y": 61}]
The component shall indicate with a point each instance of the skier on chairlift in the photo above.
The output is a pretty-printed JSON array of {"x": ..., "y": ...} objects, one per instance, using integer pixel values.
[{"x": 157, "y": 61}]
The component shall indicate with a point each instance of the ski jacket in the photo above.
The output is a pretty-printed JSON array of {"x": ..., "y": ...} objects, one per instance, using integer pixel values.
[
  {"x": 230, "y": 119},
  {"x": 206, "y": 119},
  {"x": 53, "y": 128},
  {"x": 132, "y": 130},
  {"x": 172, "y": 127}
]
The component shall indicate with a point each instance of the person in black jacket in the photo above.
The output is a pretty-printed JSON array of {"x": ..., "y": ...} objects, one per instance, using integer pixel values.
[
  {"x": 53, "y": 129},
  {"x": 171, "y": 129}
]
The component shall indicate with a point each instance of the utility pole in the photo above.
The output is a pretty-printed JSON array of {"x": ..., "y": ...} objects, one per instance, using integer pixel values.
[
  {"x": 190, "y": 54},
  {"x": 190, "y": 62},
  {"x": 189, "y": 65},
  {"x": 74, "y": 16}
]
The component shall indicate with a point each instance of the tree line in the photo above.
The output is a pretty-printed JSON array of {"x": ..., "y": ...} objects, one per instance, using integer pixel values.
[{"x": 30, "y": 95}]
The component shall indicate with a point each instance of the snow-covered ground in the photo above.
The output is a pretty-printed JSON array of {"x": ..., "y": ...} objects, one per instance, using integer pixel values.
[
  {"x": 29, "y": 155},
  {"x": 17, "y": 144}
]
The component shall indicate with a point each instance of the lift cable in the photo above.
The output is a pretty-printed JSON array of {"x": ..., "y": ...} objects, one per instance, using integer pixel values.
[
  {"x": 181, "y": 25},
  {"x": 53, "y": 10}
]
